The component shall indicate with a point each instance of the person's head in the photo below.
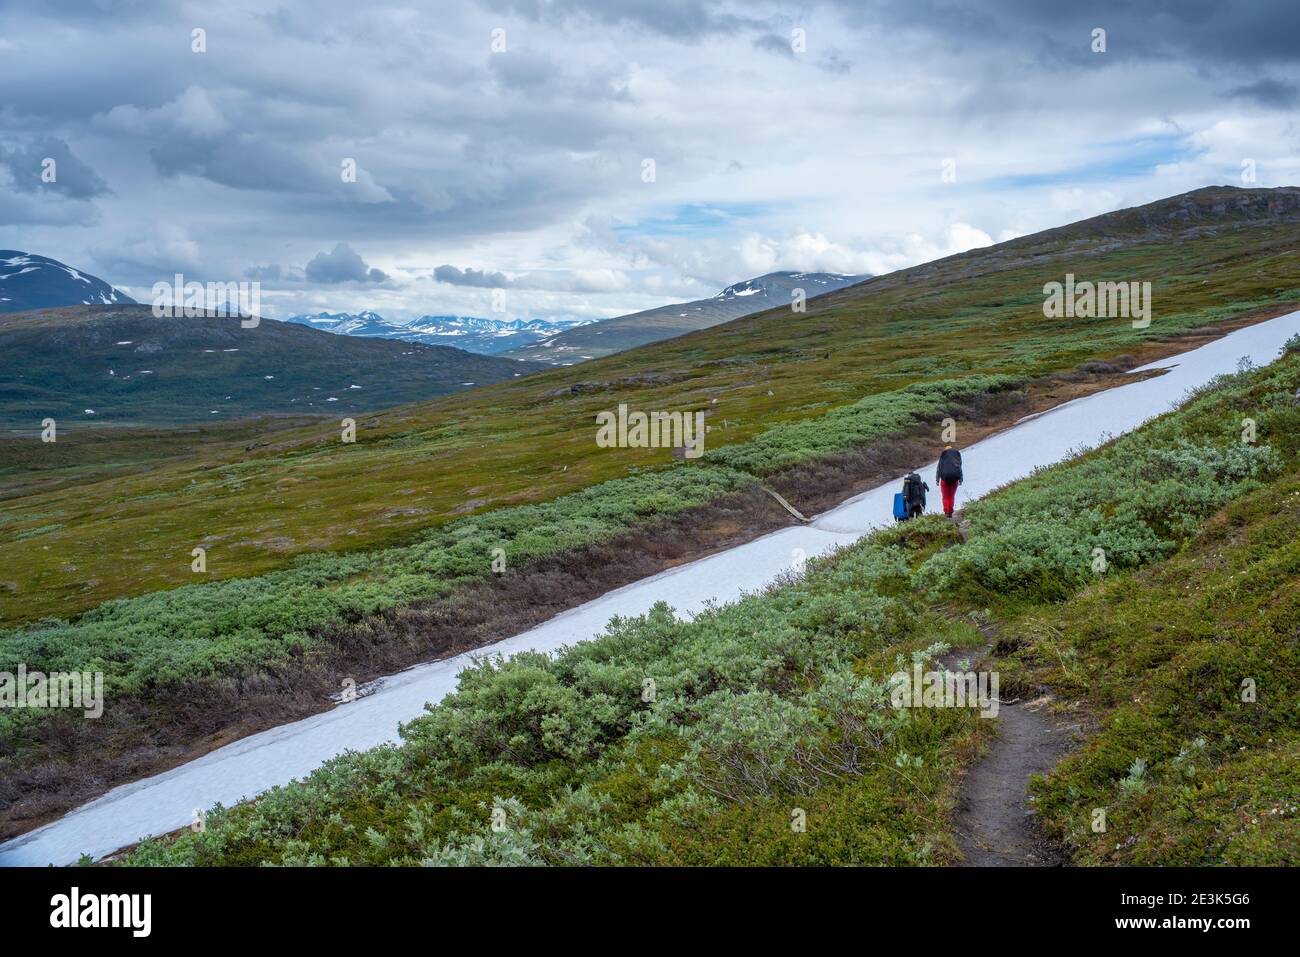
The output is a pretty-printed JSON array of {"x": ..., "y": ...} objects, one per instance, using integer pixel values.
[{"x": 947, "y": 447}]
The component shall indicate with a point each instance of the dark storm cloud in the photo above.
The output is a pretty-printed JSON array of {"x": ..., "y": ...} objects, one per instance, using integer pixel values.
[
  {"x": 679, "y": 19},
  {"x": 72, "y": 177},
  {"x": 523, "y": 69},
  {"x": 471, "y": 277},
  {"x": 341, "y": 264},
  {"x": 1267, "y": 92},
  {"x": 21, "y": 209},
  {"x": 270, "y": 111},
  {"x": 466, "y": 155},
  {"x": 1203, "y": 32},
  {"x": 240, "y": 162},
  {"x": 94, "y": 9},
  {"x": 270, "y": 273},
  {"x": 772, "y": 43}
]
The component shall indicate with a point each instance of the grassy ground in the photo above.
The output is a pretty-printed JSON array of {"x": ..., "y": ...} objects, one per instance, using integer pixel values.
[
  {"x": 1193, "y": 670},
  {"x": 126, "y": 524},
  {"x": 235, "y": 629},
  {"x": 704, "y": 741}
]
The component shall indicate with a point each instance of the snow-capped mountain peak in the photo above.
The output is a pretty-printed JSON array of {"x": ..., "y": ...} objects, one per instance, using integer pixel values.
[
  {"x": 28, "y": 281},
  {"x": 471, "y": 333},
  {"x": 779, "y": 285}
]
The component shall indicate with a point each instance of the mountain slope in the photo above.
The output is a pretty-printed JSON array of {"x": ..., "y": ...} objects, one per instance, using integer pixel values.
[
  {"x": 121, "y": 364},
  {"x": 624, "y": 332},
  {"x": 310, "y": 538},
  {"x": 471, "y": 333},
  {"x": 1213, "y": 255},
  {"x": 37, "y": 282}
]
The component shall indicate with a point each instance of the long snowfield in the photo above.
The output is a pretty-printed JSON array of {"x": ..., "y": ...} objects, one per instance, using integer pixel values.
[{"x": 250, "y": 766}]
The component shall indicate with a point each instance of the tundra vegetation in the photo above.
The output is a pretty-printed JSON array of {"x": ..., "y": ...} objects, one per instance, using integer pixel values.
[
  {"x": 118, "y": 511},
  {"x": 761, "y": 732},
  {"x": 175, "y": 642}
]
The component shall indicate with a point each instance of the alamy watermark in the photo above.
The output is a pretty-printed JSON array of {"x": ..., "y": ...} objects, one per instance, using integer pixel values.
[
  {"x": 1100, "y": 300},
  {"x": 945, "y": 689},
  {"x": 58, "y": 689},
  {"x": 76, "y": 909},
  {"x": 180, "y": 299},
  {"x": 651, "y": 430}
]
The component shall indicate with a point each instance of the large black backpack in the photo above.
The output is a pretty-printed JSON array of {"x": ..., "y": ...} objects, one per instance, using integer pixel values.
[
  {"x": 914, "y": 493},
  {"x": 949, "y": 466}
]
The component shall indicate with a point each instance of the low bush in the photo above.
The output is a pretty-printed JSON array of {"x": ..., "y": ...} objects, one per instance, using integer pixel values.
[
  {"x": 236, "y": 629},
  {"x": 1135, "y": 499}
]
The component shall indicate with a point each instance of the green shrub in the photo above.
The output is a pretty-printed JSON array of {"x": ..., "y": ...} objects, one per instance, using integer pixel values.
[
  {"x": 241, "y": 627},
  {"x": 774, "y": 703}
]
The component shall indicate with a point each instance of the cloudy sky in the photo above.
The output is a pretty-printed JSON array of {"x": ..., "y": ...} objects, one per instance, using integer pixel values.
[{"x": 507, "y": 144}]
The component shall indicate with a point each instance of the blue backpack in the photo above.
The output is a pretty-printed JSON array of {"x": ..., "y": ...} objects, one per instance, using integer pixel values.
[{"x": 900, "y": 507}]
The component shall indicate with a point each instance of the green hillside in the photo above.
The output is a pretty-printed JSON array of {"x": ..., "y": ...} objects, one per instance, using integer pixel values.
[
  {"x": 121, "y": 365},
  {"x": 776, "y": 709},
  {"x": 1211, "y": 255},
  {"x": 326, "y": 559}
]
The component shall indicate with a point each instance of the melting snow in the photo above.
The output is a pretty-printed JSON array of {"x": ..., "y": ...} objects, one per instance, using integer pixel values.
[
  {"x": 73, "y": 273},
  {"x": 253, "y": 764}
]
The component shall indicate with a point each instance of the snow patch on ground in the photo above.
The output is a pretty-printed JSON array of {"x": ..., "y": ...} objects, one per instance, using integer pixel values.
[{"x": 254, "y": 764}]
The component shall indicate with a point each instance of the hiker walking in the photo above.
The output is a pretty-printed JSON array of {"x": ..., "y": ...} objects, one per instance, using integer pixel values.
[
  {"x": 949, "y": 476},
  {"x": 910, "y": 502}
]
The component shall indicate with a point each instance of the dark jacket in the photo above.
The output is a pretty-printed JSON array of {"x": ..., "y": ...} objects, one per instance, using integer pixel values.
[
  {"x": 914, "y": 494},
  {"x": 949, "y": 466}
]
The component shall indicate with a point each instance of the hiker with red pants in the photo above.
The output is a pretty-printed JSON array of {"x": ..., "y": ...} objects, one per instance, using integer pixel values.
[{"x": 949, "y": 476}]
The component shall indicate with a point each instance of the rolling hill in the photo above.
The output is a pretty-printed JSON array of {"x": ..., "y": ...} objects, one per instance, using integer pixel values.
[
  {"x": 122, "y": 365},
  {"x": 327, "y": 559},
  {"x": 1214, "y": 254},
  {"x": 651, "y": 325}
]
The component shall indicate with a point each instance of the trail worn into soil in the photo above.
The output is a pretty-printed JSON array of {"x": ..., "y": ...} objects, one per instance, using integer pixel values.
[{"x": 995, "y": 822}]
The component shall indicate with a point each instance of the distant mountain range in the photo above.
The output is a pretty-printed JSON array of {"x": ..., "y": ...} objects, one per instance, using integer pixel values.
[
  {"x": 625, "y": 332},
  {"x": 567, "y": 342},
  {"x": 30, "y": 282},
  {"x": 484, "y": 336},
  {"x": 119, "y": 363},
  {"x": 35, "y": 282}
]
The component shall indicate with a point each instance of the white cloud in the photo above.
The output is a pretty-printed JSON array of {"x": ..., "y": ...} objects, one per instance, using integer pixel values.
[
  {"x": 528, "y": 163},
  {"x": 193, "y": 112}
]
